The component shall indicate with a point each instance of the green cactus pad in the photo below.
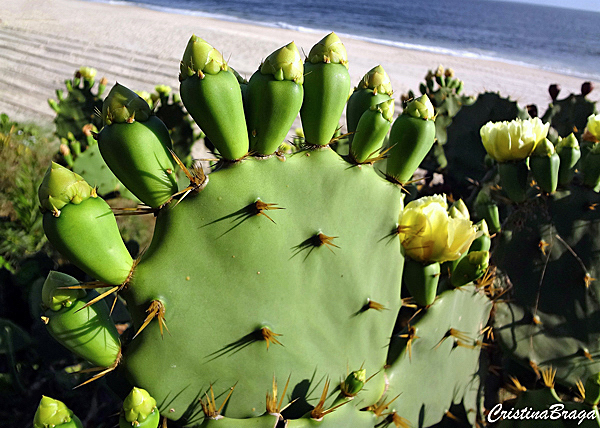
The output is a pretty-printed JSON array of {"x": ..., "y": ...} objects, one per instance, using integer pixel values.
[
  {"x": 435, "y": 360},
  {"x": 230, "y": 347},
  {"x": 549, "y": 253}
]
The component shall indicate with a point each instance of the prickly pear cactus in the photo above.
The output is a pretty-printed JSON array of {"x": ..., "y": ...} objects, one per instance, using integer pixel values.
[
  {"x": 445, "y": 92},
  {"x": 548, "y": 251},
  {"x": 77, "y": 108},
  {"x": 272, "y": 286},
  {"x": 569, "y": 114},
  {"x": 463, "y": 150}
]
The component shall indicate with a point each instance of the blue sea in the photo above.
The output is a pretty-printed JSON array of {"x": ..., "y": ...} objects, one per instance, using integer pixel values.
[{"x": 556, "y": 39}]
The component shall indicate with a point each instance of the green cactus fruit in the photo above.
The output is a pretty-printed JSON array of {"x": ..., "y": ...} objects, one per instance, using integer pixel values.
[
  {"x": 569, "y": 152},
  {"x": 514, "y": 179},
  {"x": 592, "y": 389},
  {"x": 326, "y": 89},
  {"x": 371, "y": 131},
  {"x": 374, "y": 88},
  {"x": 470, "y": 268},
  {"x": 132, "y": 142},
  {"x": 53, "y": 413},
  {"x": 87, "y": 331},
  {"x": 273, "y": 99},
  {"x": 82, "y": 227},
  {"x": 459, "y": 209},
  {"x": 545, "y": 166},
  {"x": 421, "y": 280},
  {"x": 411, "y": 138},
  {"x": 487, "y": 209},
  {"x": 590, "y": 167},
  {"x": 354, "y": 383},
  {"x": 212, "y": 96},
  {"x": 139, "y": 410},
  {"x": 484, "y": 241}
]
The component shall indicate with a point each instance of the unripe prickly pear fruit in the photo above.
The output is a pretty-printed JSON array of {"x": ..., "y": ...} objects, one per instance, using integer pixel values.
[
  {"x": 590, "y": 167},
  {"x": 411, "y": 138},
  {"x": 273, "y": 99},
  {"x": 471, "y": 267},
  {"x": 97, "y": 339},
  {"x": 354, "y": 383},
  {"x": 569, "y": 153},
  {"x": 487, "y": 209},
  {"x": 53, "y": 413},
  {"x": 139, "y": 410},
  {"x": 370, "y": 133},
  {"x": 545, "y": 163},
  {"x": 135, "y": 145},
  {"x": 82, "y": 227},
  {"x": 374, "y": 88},
  {"x": 212, "y": 96},
  {"x": 326, "y": 90}
]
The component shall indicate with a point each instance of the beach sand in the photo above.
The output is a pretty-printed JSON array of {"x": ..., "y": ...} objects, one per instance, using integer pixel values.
[{"x": 42, "y": 43}]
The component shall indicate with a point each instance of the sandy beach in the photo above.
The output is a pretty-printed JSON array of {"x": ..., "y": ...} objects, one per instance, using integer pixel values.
[{"x": 43, "y": 43}]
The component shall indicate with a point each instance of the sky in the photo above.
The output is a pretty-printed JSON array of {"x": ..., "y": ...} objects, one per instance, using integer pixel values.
[{"x": 572, "y": 4}]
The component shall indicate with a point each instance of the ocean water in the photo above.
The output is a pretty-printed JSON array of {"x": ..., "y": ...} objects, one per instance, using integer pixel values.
[{"x": 557, "y": 39}]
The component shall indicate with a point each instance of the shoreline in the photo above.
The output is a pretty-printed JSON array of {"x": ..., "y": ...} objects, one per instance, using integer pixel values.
[
  {"x": 42, "y": 44},
  {"x": 419, "y": 47}
]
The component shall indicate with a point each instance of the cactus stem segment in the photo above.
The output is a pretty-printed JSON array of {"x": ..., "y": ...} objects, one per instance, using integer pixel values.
[
  {"x": 274, "y": 407},
  {"x": 270, "y": 337},
  {"x": 319, "y": 411},
  {"x": 104, "y": 371},
  {"x": 209, "y": 407},
  {"x": 155, "y": 310},
  {"x": 261, "y": 207}
]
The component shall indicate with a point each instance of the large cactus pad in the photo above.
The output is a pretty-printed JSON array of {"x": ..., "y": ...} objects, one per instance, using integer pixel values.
[{"x": 224, "y": 272}]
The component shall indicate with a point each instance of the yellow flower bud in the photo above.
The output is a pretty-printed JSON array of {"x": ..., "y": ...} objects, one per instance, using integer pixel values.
[
  {"x": 429, "y": 234},
  {"x": 512, "y": 141}
]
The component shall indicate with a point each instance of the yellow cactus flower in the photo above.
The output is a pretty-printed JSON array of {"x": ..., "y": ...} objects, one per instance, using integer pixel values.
[
  {"x": 429, "y": 234},
  {"x": 592, "y": 129},
  {"x": 513, "y": 141}
]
